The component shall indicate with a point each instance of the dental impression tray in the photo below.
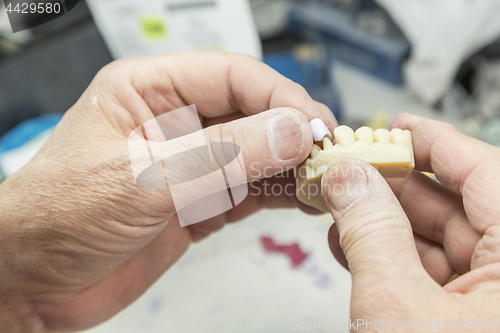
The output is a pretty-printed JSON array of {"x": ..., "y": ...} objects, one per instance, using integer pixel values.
[{"x": 390, "y": 152}]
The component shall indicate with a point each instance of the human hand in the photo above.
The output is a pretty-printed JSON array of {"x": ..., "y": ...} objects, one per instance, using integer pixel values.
[
  {"x": 79, "y": 240},
  {"x": 398, "y": 271}
]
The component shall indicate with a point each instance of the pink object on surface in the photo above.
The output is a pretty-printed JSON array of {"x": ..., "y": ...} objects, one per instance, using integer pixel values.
[{"x": 293, "y": 251}]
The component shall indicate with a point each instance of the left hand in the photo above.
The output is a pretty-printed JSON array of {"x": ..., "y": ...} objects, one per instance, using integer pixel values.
[{"x": 79, "y": 240}]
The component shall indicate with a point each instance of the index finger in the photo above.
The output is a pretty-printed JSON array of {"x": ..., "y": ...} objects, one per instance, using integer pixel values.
[
  {"x": 461, "y": 163},
  {"x": 440, "y": 148},
  {"x": 220, "y": 84}
]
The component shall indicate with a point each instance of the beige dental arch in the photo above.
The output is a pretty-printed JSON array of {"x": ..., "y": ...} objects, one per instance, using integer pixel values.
[{"x": 390, "y": 152}]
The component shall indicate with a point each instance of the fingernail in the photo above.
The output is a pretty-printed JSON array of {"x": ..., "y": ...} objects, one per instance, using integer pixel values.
[
  {"x": 286, "y": 136},
  {"x": 343, "y": 184},
  {"x": 319, "y": 130}
]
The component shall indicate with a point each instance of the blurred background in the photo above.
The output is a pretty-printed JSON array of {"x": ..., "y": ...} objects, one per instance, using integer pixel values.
[{"x": 367, "y": 60}]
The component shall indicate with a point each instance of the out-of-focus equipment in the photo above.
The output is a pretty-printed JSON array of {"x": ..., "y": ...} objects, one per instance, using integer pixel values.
[
  {"x": 360, "y": 33},
  {"x": 311, "y": 66}
]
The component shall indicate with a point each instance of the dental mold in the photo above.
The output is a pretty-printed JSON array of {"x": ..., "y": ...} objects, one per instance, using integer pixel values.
[{"x": 391, "y": 152}]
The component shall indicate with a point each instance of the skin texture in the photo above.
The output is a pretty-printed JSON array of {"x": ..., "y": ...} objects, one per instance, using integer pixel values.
[
  {"x": 79, "y": 240},
  {"x": 402, "y": 242}
]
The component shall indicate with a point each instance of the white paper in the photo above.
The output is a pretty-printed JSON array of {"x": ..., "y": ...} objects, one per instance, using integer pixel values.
[
  {"x": 136, "y": 28},
  {"x": 443, "y": 34}
]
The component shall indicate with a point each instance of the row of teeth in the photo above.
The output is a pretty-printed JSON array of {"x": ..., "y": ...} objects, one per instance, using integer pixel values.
[{"x": 346, "y": 138}]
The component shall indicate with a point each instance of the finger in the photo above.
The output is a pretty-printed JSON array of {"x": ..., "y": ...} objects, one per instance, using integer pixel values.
[
  {"x": 434, "y": 260},
  {"x": 207, "y": 122},
  {"x": 233, "y": 82},
  {"x": 442, "y": 149},
  {"x": 431, "y": 254},
  {"x": 375, "y": 234},
  {"x": 217, "y": 83},
  {"x": 487, "y": 276},
  {"x": 272, "y": 193},
  {"x": 272, "y": 142},
  {"x": 325, "y": 110},
  {"x": 437, "y": 213},
  {"x": 334, "y": 242},
  {"x": 238, "y": 152},
  {"x": 461, "y": 163}
]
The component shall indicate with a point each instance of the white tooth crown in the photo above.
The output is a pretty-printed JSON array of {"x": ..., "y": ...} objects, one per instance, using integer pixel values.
[{"x": 390, "y": 152}]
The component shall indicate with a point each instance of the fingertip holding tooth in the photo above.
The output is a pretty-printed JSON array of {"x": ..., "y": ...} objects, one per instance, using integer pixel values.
[
  {"x": 327, "y": 144},
  {"x": 383, "y": 136},
  {"x": 345, "y": 137},
  {"x": 315, "y": 151},
  {"x": 365, "y": 135},
  {"x": 319, "y": 130}
]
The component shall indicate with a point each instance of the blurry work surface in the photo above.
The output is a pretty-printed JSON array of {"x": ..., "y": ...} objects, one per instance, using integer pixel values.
[{"x": 229, "y": 283}]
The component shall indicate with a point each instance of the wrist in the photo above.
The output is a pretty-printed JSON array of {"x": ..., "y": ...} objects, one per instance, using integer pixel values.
[{"x": 16, "y": 313}]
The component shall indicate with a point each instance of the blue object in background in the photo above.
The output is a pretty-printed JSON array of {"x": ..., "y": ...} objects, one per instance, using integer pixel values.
[
  {"x": 28, "y": 130},
  {"x": 25, "y": 133},
  {"x": 288, "y": 65},
  {"x": 314, "y": 72},
  {"x": 381, "y": 55}
]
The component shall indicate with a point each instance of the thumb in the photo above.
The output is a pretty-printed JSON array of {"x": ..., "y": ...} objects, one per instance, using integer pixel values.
[
  {"x": 197, "y": 169},
  {"x": 374, "y": 232}
]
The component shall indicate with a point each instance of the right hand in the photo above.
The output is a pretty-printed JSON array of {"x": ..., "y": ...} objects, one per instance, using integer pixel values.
[{"x": 398, "y": 250}]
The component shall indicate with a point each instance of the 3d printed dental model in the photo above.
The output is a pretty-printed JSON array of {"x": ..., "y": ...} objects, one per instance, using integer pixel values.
[{"x": 390, "y": 152}]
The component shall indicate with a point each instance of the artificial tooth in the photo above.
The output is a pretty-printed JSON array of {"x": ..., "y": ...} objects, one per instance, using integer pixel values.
[
  {"x": 327, "y": 144},
  {"x": 401, "y": 138},
  {"x": 365, "y": 135},
  {"x": 315, "y": 151},
  {"x": 345, "y": 137},
  {"x": 393, "y": 160},
  {"x": 383, "y": 136}
]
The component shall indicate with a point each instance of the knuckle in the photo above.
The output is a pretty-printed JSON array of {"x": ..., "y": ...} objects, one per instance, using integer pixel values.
[{"x": 113, "y": 67}]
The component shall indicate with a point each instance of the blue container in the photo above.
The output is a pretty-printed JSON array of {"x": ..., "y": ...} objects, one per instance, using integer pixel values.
[
  {"x": 379, "y": 55},
  {"x": 315, "y": 74}
]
